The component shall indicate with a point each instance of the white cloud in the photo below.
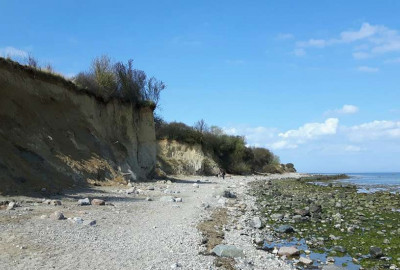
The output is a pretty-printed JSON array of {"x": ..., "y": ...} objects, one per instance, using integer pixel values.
[
  {"x": 299, "y": 52},
  {"x": 346, "y": 109},
  {"x": 367, "y": 69},
  {"x": 12, "y": 52},
  {"x": 311, "y": 131},
  {"x": 376, "y": 39},
  {"x": 393, "y": 61},
  {"x": 285, "y": 36},
  {"x": 352, "y": 148},
  {"x": 374, "y": 130},
  {"x": 282, "y": 145}
]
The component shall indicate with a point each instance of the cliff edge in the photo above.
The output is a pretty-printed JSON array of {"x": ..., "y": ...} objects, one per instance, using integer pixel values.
[{"x": 54, "y": 136}]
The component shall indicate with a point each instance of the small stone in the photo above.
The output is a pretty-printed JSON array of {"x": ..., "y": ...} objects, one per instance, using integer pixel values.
[
  {"x": 57, "y": 215},
  {"x": 148, "y": 199},
  {"x": 288, "y": 251},
  {"x": 167, "y": 199},
  {"x": 228, "y": 251},
  {"x": 76, "y": 220},
  {"x": 284, "y": 229},
  {"x": 195, "y": 185},
  {"x": 175, "y": 265},
  {"x": 178, "y": 199},
  {"x": 276, "y": 216},
  {"x": 339, "y": 249},
  {"x": 89, "y": 222},
  {"x": 330, "y": 259},
  {"x": 11, "y": 206},
  {"x": 84, "y": 201},
  {"x": 43, "y": 189},
  {"x": 307, "y": 251},
  {"x": 130, "y": 190},
  {"x": 98, "y": 202},
  {"x": 386, "y": 241},
  {"x": 151, "y": 188},
  {"x": 46, "y": 201},
  {"x": 257, "y": 223},
  {"x": 305, "y": 261},
  {"x": 43, "y": 216},
  {"x": 55, "y": 202}
]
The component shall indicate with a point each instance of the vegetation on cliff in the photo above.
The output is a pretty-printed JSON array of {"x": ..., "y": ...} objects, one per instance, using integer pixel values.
[{"x": 230, "y": 152}]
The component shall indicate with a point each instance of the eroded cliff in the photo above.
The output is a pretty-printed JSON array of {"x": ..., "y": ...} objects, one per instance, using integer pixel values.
[{"x": 54, "y": 136}]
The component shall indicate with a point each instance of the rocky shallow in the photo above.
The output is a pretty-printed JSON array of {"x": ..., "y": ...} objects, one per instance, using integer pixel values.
[{"x": 330, "y": 224}]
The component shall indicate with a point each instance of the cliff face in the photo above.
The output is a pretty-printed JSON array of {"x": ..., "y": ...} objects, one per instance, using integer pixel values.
[
  {"x": 53, "y": 136},
  {"x": 183, "y": 159}
]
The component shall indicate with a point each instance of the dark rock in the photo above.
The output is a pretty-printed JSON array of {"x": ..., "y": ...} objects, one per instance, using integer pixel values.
[
  {"x": 375, "y": 252},
  {"x": 285, "y": 229}
]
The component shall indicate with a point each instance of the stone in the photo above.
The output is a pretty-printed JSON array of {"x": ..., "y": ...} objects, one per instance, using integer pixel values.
[
  {"x": 89, "y": 222},
  {"x": 375, "y": 252},
  {"x": 130, "y": 190},
  {"x": 178, "y": 199},
  {"x": 167, "y": 199},
  {"x": 285, "y": 229},
  {"x": 76, "y": 220},
  {"x": 228, "y": 251},
  {"x": 151, "y": 188},
  {"x": 46, "y": 201},
  {"x": 257, "y": 223},
  {"x": 149, "y": 199},
  {"x": 84, "y": 201},
  {"x": 288, "y": 251},
  {"x": 98, "y": 202},
  {"x": 195, "y": 185},
  {"x": 339, "y": 249},
  {"x": 55, "y": 202},
  {"x": 276, "y": 216},
  {"x": 43, "y": 189},
  {"x": 11, "y": 206},
  {"x": 305, "y": 261},
  {"x": 57, "y": 215}
]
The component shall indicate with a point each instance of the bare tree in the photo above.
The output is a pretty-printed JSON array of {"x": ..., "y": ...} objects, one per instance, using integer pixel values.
[{"x": 201, "y": 126}]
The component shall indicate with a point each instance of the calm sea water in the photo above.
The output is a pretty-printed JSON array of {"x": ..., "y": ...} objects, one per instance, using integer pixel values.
[{"x": 371, "y": 182}]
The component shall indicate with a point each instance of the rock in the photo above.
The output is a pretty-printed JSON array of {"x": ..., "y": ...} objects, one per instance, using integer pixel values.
[
  {"x": 43, "y": 216},
  {"x": 84, "y": 201},
  {"x": 285, "y": 229},
  {"x": 46, "y": 201},
  {"x": 302, "y": 212},
  {"x": 288, "y": 251},
  {"x": 305, "y": 261},
  {"x": 149, "y": 199},
  {"x": 276, "y": 216},
  {"x": 76, "y": 220},
  {"x": 167, "y": 199},
  {"x": 339, "y": 249},
  {"x": 11, "y": 206},
  {"x": 257, "y": 223},
  {"x": 43, "y": 189},
  {"x": 55, "y": 202},
  {"x": 375, "y": 252},
  {"x": 386, "y": 241},
  {"x": 330, "y": 259},
  {"x": 150, "y": 188},
  {"x": 228, "y": 251},
  {"x": 178, "y": 199},
  {"x": 315, "y": 209},
  {"x": 332, "y": 267},
  {"x": 196, "y": 185},
  {"x": 89, "y": 222},
  {"x": 205, "y": 205},
  {"x": 228, "y": 194},
  {"x": 98, "y": 202},
  {"x": 57, "y": 215},
  {"x": 175, "y": 265},
  {"x": 130, "y": 190}
]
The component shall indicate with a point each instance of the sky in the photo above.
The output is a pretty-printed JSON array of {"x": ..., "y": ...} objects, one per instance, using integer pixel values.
[{"x": 317, "y": 82}]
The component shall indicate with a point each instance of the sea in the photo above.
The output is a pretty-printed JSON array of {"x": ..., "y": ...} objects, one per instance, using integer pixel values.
[{"x": 373, "y": 182}]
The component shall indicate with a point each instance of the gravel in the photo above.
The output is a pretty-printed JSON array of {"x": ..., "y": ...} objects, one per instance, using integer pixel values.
[{"x": 130, "y": 231}]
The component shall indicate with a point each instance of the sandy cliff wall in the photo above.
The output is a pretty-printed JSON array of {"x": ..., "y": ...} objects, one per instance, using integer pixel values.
[
  {"x": 183, "y": 159},
  {"x": 53, "y": 136}
]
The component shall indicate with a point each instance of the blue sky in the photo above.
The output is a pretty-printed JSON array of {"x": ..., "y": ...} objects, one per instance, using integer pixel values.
[{"x": 318, "y": 82}]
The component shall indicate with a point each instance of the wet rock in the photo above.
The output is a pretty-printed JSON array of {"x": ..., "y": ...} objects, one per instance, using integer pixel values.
[
  {"x": 57, "y": 215},
  {"x": 305, "y": 261},
  {"x": 339, "y": 249},
  {"x": 284, "y": 229},
  {"x": 288, "y": 251},
  {"x": 84, "y": 201},
  {"x": 228, "y": 251},
  {"x": 375, "y": 252},
  {"x": 98, "y": 202}
]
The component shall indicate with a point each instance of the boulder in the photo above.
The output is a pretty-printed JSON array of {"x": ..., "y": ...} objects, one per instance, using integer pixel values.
[
  {"x": 228, "y": 251},
  {"x": 257, "y": 223},
  {"x": 288, "y": 251},
  {"x": 11, "y": 206}
]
